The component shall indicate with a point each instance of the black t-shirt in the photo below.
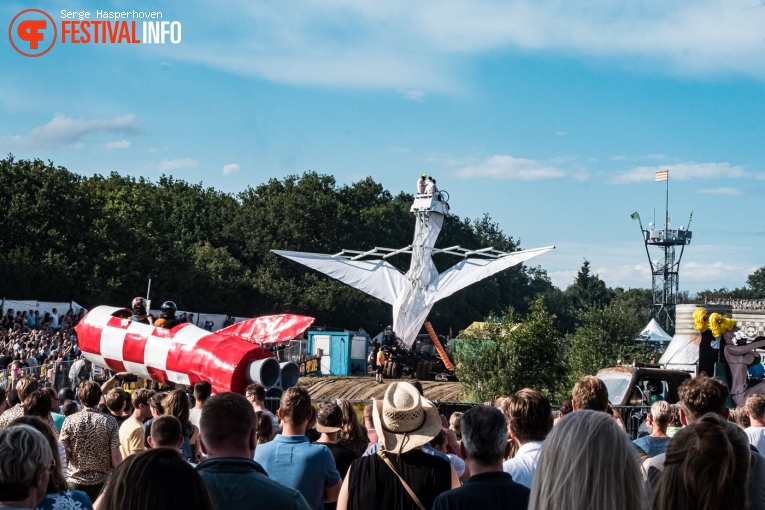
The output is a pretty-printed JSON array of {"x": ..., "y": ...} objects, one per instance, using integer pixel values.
[
  {"x": 374, "y": 486},
  {"x": 5, "y": 361},
  {"x": 485, "y": 490},
  {"x": 343, "y": 457}
]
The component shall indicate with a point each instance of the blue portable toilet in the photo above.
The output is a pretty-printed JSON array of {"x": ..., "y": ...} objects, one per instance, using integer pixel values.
[{"x": 340, "y": 352}]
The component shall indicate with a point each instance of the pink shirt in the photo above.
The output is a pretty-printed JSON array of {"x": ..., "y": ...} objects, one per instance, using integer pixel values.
[{"x": 372, "y": 435}]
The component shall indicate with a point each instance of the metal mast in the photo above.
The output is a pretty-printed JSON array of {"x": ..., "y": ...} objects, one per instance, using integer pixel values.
[{"x": 665, "y": 270}]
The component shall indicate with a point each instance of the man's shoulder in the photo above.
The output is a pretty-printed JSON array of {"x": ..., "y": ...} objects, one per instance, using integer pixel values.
[
  {"x": 131, "y": 426},
  {"x": 485, "y": 489},
  {"x": 245, "y": 477}
]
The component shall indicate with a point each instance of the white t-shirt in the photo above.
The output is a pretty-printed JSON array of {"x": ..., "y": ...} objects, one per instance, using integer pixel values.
[
  {"x": 756, "y": 437},
  {"x": 194, "y": 416},
  {"x": 523, "y": 465}
]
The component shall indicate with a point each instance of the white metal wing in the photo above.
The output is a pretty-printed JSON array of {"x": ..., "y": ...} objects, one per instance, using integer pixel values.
[
  {"x": 469, "y": 271},
  {"x": 376, "y": 277}
]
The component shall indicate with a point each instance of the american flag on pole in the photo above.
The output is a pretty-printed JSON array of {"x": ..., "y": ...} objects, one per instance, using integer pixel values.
[{"x": 662, "y": 175}]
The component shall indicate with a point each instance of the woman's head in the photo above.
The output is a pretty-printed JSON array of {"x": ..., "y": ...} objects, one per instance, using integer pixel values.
[
  {"x": 165, "y": 480},
  {"x": 587, "y": 463},
  {"x": 351, "y": 428},
  {"x": 56, "y": 482},
  {"x": 25, "y": 464},
  {"x": 706, "y": 467},
  {"x": 176, "y": 403},
  {"x": 265, "y": 427}
]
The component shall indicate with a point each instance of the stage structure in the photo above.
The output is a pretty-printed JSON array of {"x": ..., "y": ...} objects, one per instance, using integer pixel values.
[
  {"x": 665, "y": 270},
  {"x": 413, "y": 294}
]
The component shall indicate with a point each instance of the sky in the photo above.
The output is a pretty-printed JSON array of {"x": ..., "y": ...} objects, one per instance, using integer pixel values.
[{"x": 551, "y": 117}]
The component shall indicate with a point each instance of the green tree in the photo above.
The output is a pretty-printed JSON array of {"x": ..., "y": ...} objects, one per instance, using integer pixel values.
[
  {"x": 509, "y": 354},
  {"x": 604, "y": 337},
  {"x": 588, "y": 290},
  {"x": 756, "y": 282}
]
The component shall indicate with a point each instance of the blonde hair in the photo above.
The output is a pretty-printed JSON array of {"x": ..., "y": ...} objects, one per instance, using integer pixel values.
[
  {"x": 661, "y": 414},
  {"x": 587, "y": 463}
]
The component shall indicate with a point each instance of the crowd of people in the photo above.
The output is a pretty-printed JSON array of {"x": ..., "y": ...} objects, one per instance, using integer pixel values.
[
  {"x": 147, "y": 449},
  {"x": 43, "y": 346}
]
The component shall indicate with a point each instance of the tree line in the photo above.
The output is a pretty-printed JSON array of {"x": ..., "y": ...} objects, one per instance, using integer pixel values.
[{"x": 97, "y": 240}]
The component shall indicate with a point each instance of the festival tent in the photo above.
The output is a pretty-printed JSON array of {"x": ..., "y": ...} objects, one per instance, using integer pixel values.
[{"x": 654, "y": 333}]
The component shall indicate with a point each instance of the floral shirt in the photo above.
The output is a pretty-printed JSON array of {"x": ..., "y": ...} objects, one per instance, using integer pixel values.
[
  {"x": 90, "y": 437},
  {"x": 70, "y": 500}
]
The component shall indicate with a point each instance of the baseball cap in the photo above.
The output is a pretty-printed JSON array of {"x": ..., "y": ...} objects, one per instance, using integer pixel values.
[{"x": 330, "y": 418}]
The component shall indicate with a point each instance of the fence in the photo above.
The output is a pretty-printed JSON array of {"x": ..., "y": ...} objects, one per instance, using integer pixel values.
[{"x": 51, "y": 374}]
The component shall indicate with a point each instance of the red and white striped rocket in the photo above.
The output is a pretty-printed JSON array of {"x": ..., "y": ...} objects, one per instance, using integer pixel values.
[{"x": 184, "y": 354}]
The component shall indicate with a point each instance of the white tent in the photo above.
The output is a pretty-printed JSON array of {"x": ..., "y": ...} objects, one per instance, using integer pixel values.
[{"x": 654, "y": 333}]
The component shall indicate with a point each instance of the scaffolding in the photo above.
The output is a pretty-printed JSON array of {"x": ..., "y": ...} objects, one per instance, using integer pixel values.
[{"x": 665, "y": 270}]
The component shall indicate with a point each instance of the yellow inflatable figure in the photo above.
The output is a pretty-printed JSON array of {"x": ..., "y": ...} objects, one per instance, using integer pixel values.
[{"x": 716, "y": 322}]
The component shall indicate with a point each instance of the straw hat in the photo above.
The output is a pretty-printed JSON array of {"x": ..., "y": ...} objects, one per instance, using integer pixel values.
[{"x": 404, "y": 419}]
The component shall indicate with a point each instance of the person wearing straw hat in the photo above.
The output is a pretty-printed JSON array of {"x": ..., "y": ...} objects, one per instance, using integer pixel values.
[{"x": 401, "y": 475}]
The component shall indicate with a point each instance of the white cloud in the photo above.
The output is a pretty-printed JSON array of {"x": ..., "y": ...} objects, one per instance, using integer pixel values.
[
  {"x": 561, "y": 133},
  {"x": 231, "y": 168},
  {"x": 683, "y": 172},
  {"x": 412, "y": 95},
  {"x": 625, "y": 275},
  {"x": 507, "y": 167},
  {"x": 620, "y": 157},
  {"x": 122, "y": 144},
  {"x": 63, "y": 131},
  {"x": 708, "y": 271},
  {"x": 655, "y": 156},
  {"x": 405, "y": 45},
  {"x": 175, "y": 164},
  {"x": 562, "y": 279},
  {"x": 732, "y": 192}
]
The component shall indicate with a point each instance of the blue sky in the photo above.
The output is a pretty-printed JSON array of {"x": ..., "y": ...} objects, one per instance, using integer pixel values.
[{"x": 550, "y": 117}]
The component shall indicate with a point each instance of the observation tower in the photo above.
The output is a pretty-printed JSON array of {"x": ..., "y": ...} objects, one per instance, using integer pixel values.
[{"x": 665, "y": 269}]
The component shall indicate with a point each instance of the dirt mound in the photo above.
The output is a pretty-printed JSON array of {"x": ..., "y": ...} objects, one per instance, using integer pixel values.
[{"x": 365, "y": 388}]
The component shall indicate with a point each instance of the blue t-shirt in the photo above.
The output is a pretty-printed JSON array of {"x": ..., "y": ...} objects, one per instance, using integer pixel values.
[
  {"x": 295, "y": 462},
  {"x": 652, "y": 446},
  {"x": 74, "y": 500},
  {"x": 756, "y": 371}
]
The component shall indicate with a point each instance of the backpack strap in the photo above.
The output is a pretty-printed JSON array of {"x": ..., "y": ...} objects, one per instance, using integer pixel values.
[{"x": 387, "y": 460}]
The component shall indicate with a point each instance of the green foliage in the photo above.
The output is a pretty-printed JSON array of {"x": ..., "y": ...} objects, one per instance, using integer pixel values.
[
  {"x": 510, "y": 354},
  {"x": 726, "y": 293},
  {"x": 756, "y": 282},
  {"x": 604, "y": 337},
  {"x": 588, "y": 290}
]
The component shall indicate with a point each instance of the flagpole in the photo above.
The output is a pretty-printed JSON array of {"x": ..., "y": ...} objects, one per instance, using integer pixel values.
[{"x": 666, "y": 209}]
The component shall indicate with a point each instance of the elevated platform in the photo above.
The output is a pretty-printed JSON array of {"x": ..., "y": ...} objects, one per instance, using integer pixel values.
[
  {"x": 667, "y": 237},
  {"x": 437, "y": 202}
]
